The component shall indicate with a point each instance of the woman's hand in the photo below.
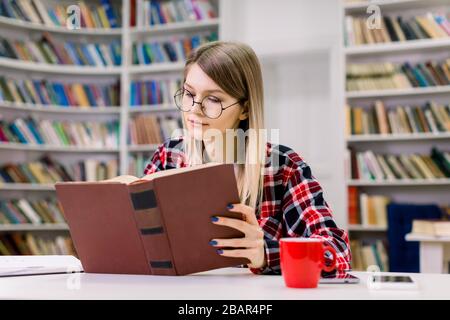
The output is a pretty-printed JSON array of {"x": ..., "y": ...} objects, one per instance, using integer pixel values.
[{"x": 253, "y": 241}]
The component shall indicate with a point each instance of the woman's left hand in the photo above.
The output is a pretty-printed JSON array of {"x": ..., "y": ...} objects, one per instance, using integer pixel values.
[{"x": 252, "y": 242}]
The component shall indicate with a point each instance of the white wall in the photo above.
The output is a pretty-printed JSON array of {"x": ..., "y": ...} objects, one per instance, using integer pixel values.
[{"x": 298, "y": 45}]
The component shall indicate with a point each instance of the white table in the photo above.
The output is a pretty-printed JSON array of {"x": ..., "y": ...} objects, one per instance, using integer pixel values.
[
  {"x": 434, "y": 252},
  {"x": 228, "y": 283}
]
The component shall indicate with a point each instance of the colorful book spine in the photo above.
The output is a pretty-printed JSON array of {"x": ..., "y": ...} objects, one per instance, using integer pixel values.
[
  {"x": 47, "y": 50},
  {"x": 370, "y": 166},
  {"x": 102, "y": 15},
  {"x": 169, "y": 51}
]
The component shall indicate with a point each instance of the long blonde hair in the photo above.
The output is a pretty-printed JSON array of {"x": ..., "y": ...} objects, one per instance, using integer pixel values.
[{"x": 235, "y": 68}]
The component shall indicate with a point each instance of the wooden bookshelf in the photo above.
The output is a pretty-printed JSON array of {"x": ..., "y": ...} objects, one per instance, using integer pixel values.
[{"x": 125, "y": 74}]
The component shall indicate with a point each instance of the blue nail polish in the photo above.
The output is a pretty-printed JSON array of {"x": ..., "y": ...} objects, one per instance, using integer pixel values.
[
  {"x": 213, "y": 242},
  {"x": 214, "y": 219},
  {"x": 229, "y": 206},
  {"x": 220, "y": 251}
]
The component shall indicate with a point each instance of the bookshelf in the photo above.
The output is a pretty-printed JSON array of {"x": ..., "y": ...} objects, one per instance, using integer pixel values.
[
  {"x": 414, "y": 51},
  {"x": 123, "y": 112}
]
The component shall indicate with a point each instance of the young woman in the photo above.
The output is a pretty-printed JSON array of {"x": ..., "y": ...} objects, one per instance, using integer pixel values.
[{"x": 223, "y": 91}]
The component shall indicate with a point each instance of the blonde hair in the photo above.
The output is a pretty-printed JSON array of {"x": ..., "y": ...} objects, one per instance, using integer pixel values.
[{"x": 235, "y": 68}]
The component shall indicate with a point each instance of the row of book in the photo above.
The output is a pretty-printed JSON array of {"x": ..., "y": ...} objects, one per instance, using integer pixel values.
[
  {"x": 431, "y": 117},
  {"x": 31, "y": 244},
  {"x": 57, "y": 93},
  {"x": 149, "y": 13},
  {"x": 367, "y": 210},
  {"x": 393, "y": 29},
  {"x": 100, "y": 15},
  {"x": 381, "y": 76},
  {"x": 435, "y": 228},
  {"x": 50, "y": 51},
  {"x": 173, "y": 50},
  {"x": 152, "y": 92},
  {"x": 367, "y": 254},
  {"x": 367, "y": 165},
  {"x": 19, "y": 211},
  {"x": 46, "y": 170},
  {"x": 60, "y": 133},
  {"x": 152, "y": 129},
  {"x": 137, "y": 163}
]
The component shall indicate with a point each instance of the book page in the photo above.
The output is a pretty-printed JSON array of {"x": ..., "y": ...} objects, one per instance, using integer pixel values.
[
  {"x": 127, "y": 179},
  {"x": 164, "y": 173}
]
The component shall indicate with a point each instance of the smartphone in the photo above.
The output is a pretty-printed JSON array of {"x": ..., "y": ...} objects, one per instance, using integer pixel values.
[
  {"x": 338, "y": 277},
  {"x": 385, "y": 281}
]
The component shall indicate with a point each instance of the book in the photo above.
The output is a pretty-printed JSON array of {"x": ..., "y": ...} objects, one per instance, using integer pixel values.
[
  {"x": 438, "y": 228},
  {"x": 159, "y": 224},
  {"x": 383, "y": 76},
  {"x": 430, "y": 25}
]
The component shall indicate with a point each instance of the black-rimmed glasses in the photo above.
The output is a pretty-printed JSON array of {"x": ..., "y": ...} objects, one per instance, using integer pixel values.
[{"x": 211, "y": 106}]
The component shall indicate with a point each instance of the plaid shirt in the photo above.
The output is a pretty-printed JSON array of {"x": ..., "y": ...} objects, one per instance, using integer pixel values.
[{"x": 292, "y": 203}]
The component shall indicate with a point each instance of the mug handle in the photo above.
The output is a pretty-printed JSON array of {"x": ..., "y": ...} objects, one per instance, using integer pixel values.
[{"x": 330, "y": 268}]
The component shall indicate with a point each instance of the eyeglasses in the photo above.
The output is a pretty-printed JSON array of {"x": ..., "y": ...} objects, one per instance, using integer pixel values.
[{"x": 211, "y": 106}]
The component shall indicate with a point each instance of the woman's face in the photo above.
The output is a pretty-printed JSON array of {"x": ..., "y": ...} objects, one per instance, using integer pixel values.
[{"x": 200, "y": 85}]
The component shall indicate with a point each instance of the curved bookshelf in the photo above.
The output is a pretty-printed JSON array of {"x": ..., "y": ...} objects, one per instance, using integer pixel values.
[
  {"x": 125, "y": 73},
  {"x": 398, "y": 137},
  {"x": 153, "y": 108},
  {"x": 361, "y": 6},
  {"x": 405, "y": 46},
  {"x": 142, "y": 148},
  {"x": 26, "y": 25},
  {"x": 362, "y": 228},
  {"x": 175, "y": 27},
  {"x": 400, "y": 183},
  {"x": 58, "y": 69},
  {"x": 47, "y": 148},
  {"x": 58, "y": 109},
  {"x": 34, "y": 227},
  {"x": 398, "y": 92},
  {"x": 156, "y": 67},
  {"x": 26, "y": 187}
]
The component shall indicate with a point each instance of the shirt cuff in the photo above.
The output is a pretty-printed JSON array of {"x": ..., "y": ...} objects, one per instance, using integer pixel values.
[{"x": 272, "y": 251}]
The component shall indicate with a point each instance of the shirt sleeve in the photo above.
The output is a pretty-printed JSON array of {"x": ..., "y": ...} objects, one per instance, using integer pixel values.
[
  {"x": 305, "y": 213},
  {"x": 157, "y": 161}
]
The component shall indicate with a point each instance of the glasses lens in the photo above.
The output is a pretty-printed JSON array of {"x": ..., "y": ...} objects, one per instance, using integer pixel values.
[
  {"x": 183, "y": 100},
  {"x": 212, "y": 107}
]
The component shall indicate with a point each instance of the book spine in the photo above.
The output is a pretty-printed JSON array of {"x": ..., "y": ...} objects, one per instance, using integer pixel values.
[{"x": 150, "y": 223}]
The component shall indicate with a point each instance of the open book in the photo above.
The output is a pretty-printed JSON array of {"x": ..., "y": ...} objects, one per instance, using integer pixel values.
[{"x": 158, "y": 224}]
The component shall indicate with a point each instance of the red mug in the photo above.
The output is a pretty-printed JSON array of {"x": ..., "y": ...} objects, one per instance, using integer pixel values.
[{"x": 303, "y": 259}]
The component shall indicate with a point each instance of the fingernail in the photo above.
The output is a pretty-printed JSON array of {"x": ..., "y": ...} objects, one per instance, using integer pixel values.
[
  {"x": 229, "y": 206},
  {"x": 220, "y": 251},
  {"x": 213, "y": 242},
  {"x": 214, "y": 219}
]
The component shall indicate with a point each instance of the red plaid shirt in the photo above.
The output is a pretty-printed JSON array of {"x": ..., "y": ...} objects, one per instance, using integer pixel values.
[{"x": 292, "y": 203}]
